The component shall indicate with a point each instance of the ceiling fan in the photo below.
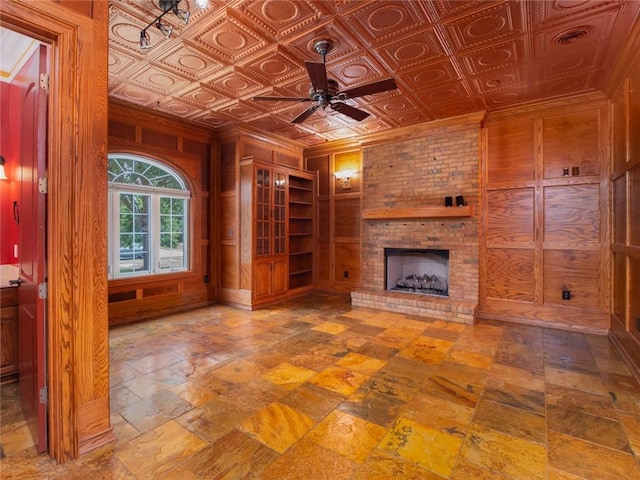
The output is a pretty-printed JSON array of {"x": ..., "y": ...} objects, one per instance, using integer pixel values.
[{"x": 324, "y": 92}]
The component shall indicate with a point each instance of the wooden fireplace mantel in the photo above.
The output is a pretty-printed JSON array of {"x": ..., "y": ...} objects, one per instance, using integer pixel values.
[{"x": 421, "y": 212}]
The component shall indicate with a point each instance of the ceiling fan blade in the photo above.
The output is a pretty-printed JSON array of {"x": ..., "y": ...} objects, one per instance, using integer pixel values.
[
  {"x": 349, "y": 111},
  {"x": 317, "y": 75},
  {"x": 370, "y": 88},
  {"x": 304, "y": 115},
  {"x": 282, "y": 99}
]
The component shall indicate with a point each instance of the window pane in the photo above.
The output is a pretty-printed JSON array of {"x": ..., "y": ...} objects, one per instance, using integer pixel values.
[
  {"x": 136, "y": 171},
  {"x": 134, "y": 233},
  {"x": 172, "y": 246}
]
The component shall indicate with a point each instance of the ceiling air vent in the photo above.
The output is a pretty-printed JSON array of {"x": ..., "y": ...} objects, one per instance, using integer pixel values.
[{"x": 572, "y": 36}]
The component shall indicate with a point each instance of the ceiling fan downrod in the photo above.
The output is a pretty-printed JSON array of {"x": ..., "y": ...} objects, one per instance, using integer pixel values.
[{"x": 323, "y": 47}]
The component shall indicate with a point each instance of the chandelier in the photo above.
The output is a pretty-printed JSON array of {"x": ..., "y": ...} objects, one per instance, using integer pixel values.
[{"x": 167, "y": 6}]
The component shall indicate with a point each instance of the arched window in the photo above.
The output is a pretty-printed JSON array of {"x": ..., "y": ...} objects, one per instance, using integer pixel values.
[{"x": 148, "y": 217}]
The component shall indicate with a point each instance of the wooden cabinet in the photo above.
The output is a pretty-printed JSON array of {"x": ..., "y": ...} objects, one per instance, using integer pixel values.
[
  {"x": 270, "y": 278},
  {"x": 270, "y": 233},
  {"x": 9, "y": 335},
  {"x": 271, "y": 240}
]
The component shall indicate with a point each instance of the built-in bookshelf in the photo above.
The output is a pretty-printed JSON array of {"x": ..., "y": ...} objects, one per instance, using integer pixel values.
[{"x": 301, "y": 198}]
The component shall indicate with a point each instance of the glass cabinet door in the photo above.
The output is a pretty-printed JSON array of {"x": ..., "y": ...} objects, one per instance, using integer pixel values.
[
  {"x": 263, "y": 205},
  {"x": 279, "y": 220}
]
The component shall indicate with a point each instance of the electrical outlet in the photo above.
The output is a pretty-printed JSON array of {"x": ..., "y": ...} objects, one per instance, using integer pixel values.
[
  {"x": 205, "y": 279},
  {"x": 638, "y": 324},
  {"x": 345, "y": 274},
  {"x": 566, "y": 294}
]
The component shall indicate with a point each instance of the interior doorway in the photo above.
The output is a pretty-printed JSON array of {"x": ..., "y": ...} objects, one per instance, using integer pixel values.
[{"x": 25, "y": 69}]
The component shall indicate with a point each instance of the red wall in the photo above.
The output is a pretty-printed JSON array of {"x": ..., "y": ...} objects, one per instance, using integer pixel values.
[{"x": 10, "y": 150}]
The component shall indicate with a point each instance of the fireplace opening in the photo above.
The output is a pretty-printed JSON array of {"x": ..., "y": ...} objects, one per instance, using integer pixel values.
[{"x": 419, "y": 271}]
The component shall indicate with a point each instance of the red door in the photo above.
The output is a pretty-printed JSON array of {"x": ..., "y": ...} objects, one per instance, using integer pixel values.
[{"x": 31, "y": 247}]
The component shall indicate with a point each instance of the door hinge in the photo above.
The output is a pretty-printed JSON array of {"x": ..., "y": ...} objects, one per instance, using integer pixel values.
[
  {"x": 42, "y": 290},
  {"x": 44, "y": 394},
  {"x": 42, "y": 185},
  {"x": 44, "y": 81}
]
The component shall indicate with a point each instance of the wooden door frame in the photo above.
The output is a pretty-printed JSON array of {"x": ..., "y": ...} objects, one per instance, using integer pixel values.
[{"x": 76, "y": 305}]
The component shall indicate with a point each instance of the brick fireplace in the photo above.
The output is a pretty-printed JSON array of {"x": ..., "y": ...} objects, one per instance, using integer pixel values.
[{"x": 404, "y": 187}]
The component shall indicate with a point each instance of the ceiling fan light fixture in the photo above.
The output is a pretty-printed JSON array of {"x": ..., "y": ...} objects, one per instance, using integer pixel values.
[
  {"x": 183, "y": 15},
  {"x": 202, "y": 3},
  {"x": 165, "y": 28},
  {"x": 166, "y": 6},
  {"x": 145, "y": 40},
  {"x": 325, "y": 92}
]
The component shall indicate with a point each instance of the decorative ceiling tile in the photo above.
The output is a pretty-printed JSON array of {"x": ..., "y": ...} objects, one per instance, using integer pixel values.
[
  {"x": 506, "y": 96},
  {"x": 178, "y": 108},
  {"x": 274, "y": 66},
  {"x": 269, "y": 123},
  {"x": 355, "y": 70},
  {"x": 228, "y": 38},
  {"x": 487, "y": 26},
  {"x": 413, "y": 51},
  {"x": 188, "y": 61},
  {"x": 578, "y": 62},
  {"x": 202, "y": 97},
  {"x": 454, "y": 108},
  {"x": 391, "y": 105},
  {"x": 499, "y": 56},
  {"x": 381, "y": 22},
  {"x": 562, "y": 86},
  {"x": 427, "y": 75},
  {"x": 158, "y": 80},
  {"x": 212, "y": 119},
  {"x": 374, "y": 126},
  {"x": 448, "y": 57},
  {"x": 499, "y": 80},
  {"x": 297, "y": 87},
  {"x": 235, "y": 83},
  {"x": 449, "y": 92},
  {"x": 446, "y": 9},
  {"x": 120, "y": 62},
  {"x": 281, "y": 18},
  {"x": 135, "y": 94},
  {"x": 241, "y": 110}
]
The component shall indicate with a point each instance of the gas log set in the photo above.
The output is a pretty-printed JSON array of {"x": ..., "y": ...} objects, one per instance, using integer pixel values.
[{"x": 425, "y": 284}]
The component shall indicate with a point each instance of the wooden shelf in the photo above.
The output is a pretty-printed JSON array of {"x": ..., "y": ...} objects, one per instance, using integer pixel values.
[{"x": 421, "y": 212}]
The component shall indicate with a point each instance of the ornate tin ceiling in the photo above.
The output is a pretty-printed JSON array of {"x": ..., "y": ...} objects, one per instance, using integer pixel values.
[{"x": 447, "y": 57}]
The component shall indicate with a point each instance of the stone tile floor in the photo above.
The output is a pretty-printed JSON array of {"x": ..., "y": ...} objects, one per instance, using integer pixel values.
[{"x": 315, "y": 389}]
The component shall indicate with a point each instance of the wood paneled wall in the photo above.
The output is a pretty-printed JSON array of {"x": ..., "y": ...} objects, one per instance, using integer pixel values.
[
  {"x": 625, "y": 112},
  {"x": 187, "y": 150},
  {"x": 339, "y": 243},
  {"x": 77, "y": 337},
  {"x": 545, "y": 222}
]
